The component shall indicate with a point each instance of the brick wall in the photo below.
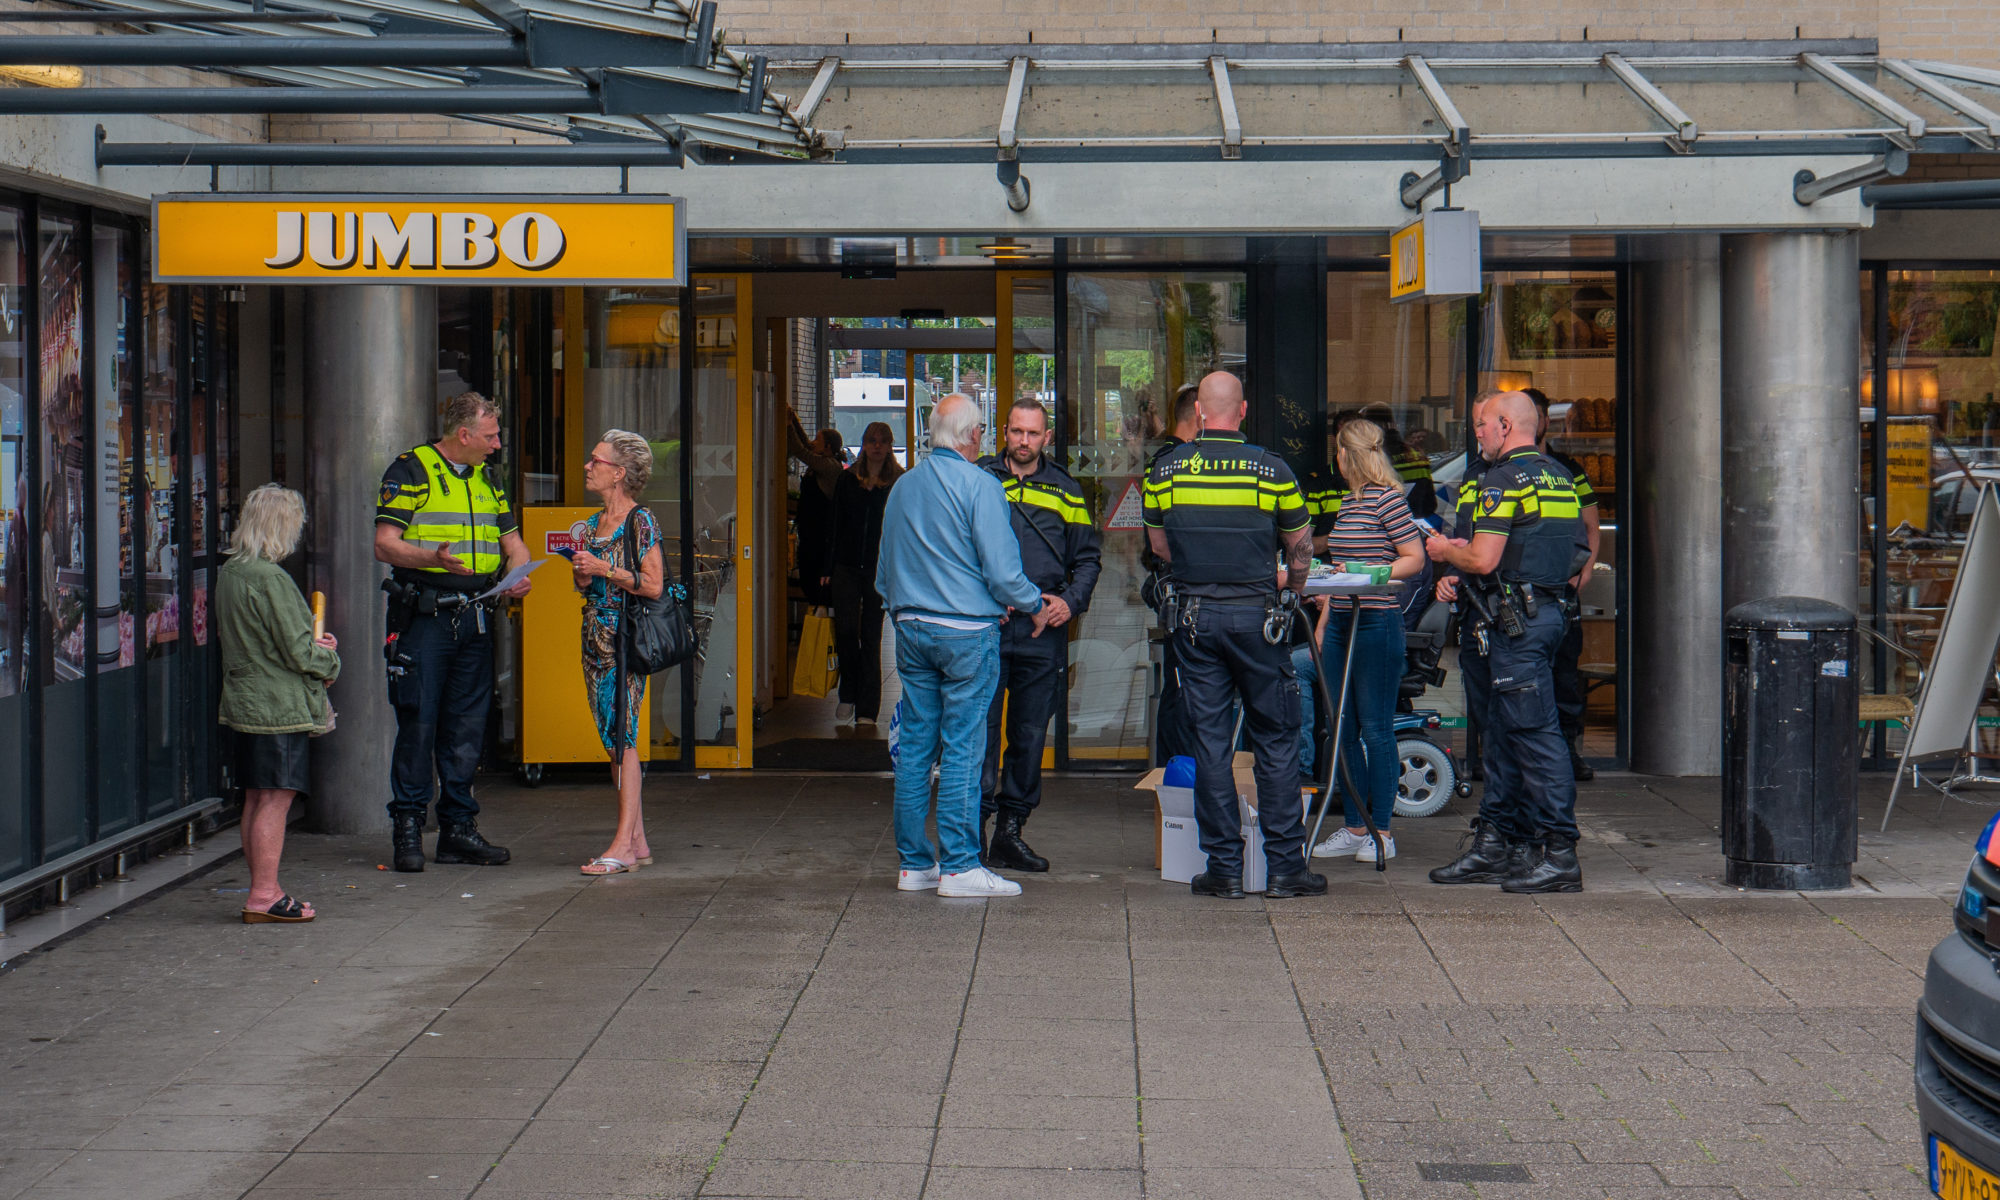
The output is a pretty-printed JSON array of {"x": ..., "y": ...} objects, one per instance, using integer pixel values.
[
  {"x": 379, "y": 127},
  {"x": 229, "y": 128}
]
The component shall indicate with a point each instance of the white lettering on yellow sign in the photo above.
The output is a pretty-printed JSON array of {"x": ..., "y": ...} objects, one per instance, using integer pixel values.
[{"x": 532, "y": 241}]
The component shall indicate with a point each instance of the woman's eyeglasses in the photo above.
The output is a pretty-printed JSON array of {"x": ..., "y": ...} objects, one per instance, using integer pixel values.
[{"x": 594, "y": 461}]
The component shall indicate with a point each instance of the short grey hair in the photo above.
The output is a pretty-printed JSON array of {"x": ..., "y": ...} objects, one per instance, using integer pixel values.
[
  {"x": 635, "y": 455},
  {"x": 466, "y": 410},
  {"x": 269, "y": 526},
  {"x": 953, "y": 425}
]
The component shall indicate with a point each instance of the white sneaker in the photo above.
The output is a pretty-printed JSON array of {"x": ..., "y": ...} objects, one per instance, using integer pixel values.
[
  {"x": 925, "y": 880},
  {"x": 1341, "y": 845},
  {"x": 1367, "y": 851},
  {"x": 977, "y": 882},
  {"x": 843, "y": 713}
]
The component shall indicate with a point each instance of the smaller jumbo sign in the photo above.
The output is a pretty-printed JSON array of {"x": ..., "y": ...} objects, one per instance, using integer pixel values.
[
  {"x": 543, "y": 240},
  {"x": 1435, "y": 256}
]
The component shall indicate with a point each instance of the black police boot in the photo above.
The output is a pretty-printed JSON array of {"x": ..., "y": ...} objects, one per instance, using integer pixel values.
[
  {"x": 985, "y": 846},
  {"x": 1555, "y": 869},
  {"x": 407, "y": 835},
  {"x": 1485, "y": 861},
  {"x": 1227, "y": 887},
  {"x": 1008, "y": 850},
  {"x": 460, "y": 842},
  {"x": 1301, "y": 883},
  {"x": 1579, "y": 770}
]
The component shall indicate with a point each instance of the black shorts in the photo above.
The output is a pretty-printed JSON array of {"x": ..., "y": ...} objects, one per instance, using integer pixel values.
[{"x": 276, "y": 761}]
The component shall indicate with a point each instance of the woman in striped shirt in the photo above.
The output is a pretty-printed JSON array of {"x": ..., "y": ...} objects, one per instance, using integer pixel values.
[{"x": 1374, "y": 527}]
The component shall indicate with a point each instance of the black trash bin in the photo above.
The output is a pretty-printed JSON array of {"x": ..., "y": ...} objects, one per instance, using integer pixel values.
[{"x": 1790, "y": 745}]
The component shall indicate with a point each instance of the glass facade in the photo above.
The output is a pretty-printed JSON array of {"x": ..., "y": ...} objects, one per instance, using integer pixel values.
[{"x": 115, "y": 473}]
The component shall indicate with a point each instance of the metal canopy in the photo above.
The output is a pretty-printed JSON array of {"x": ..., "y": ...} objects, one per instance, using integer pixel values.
[
  {"x": 1309, "y": 103},
  {"x": 611, "y": 74}
]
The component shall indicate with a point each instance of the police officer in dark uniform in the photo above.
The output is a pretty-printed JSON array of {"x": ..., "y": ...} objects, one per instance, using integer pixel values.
[
  {"x": 1060, "y": 553},
  {"x": 1526, "y": 544},
  {"x": 1170, "y": 730},
  {"x": 1218, "y": 510},
  {"x": 443, "y": 524},
  {"x": 1569, "y": 655}
]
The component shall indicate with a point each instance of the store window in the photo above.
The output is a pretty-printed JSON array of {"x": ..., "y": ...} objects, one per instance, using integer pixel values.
[
  {"x": 1932, "y": 408},
  {"x": 161, "y": 516},
  {"x": 115, "y": 561},
  {"x": 16, "y": 544},
  {"x": 65, "y": 530},
  {"x": 1133, "y": 340}
]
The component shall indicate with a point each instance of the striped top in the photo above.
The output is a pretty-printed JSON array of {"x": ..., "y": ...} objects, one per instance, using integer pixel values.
[{"x": 1371, "y": 524}]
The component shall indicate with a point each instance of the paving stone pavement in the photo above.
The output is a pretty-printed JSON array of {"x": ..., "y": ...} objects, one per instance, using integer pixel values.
[{"x": 761, "y": 1014}]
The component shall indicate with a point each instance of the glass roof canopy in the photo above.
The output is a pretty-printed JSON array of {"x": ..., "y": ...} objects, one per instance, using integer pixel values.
[{"x": 968, "y": 109}]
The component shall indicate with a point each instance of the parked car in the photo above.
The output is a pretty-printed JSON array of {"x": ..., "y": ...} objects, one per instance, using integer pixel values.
[{"x": 1958, "y": 1039}]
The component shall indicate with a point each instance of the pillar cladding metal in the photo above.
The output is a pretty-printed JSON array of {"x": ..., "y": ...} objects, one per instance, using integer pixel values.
[
  {"x": 371, "y": 393},
  {"x": 1791, "y": 319},
  {"x": 1676, "y": 506}
]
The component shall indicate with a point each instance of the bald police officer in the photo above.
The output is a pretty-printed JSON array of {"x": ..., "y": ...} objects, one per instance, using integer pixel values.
[
  {"x": 1217, "y": 510},
  {"x": 1527, "y": 542},
  {"x": 445, "y": 528}
]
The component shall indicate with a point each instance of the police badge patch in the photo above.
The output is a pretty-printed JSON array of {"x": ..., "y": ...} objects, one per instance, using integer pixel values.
[
  {"x": 389, "y": 493},
  {"x": 1489, "y": 499}
]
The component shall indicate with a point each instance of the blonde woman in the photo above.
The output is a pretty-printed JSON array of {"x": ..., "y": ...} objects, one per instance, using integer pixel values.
[
  {"x": 1374, "y": 527},
  {"x": 859, "y": 500},
  {"x": 606, "y": 571},
  {"x": 274, "y": 680}
]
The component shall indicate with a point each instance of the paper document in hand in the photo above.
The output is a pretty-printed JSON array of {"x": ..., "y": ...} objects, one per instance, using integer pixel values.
[{"x": 510, "y": 579}]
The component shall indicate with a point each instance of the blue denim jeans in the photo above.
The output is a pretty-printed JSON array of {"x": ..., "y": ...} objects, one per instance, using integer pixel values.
[
  {"x": 1302, "y": 670},
  {"x": 948, "y": 676},
  {"x": 1368, "y": 734}
]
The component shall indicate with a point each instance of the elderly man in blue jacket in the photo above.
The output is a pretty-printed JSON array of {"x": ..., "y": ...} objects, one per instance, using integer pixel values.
[{"x": 949, "y": 574}]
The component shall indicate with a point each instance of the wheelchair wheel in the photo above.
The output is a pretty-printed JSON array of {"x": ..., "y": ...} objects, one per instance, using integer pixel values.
[{"x": 1427, "y": 778}]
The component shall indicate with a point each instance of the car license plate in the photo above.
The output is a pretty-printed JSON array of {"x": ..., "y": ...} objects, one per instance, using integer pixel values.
[{"x": 1954, "y": 1178}]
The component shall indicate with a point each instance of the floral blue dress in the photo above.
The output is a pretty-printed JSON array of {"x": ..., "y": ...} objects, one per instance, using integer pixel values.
[{"x": 601, "y": 606}]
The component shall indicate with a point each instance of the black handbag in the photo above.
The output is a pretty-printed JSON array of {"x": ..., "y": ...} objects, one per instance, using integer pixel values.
[{"x": 658, "y": 633}]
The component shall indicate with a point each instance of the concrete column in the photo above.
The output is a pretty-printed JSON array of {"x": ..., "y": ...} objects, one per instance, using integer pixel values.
[
  {"x": 371, "y": 383},
  {"x": 1791, "y": 315},
  {"x": 1675, "y": 593}
]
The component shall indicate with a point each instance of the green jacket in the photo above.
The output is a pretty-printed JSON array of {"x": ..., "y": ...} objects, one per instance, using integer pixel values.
[{"x": 273, "y": 676}]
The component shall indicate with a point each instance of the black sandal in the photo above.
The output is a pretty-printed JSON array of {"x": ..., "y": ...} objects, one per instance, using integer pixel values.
[{"x": 286, "y": 911}]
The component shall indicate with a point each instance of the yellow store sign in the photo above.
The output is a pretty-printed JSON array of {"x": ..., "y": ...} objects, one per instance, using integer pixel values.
[{"x": 543, "y": 240}]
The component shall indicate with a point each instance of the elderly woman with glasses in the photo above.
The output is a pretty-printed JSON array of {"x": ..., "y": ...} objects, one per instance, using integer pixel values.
[
  {"x": 606, "y": 571},
  {"x": 274, "y": 679}
]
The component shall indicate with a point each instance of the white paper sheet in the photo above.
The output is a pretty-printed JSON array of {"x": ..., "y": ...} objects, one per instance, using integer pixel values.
[{"x": 510, "y": 579}]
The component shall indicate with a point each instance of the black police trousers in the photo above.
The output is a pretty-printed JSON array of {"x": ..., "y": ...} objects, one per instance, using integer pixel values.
[
  {"x": 1171, "y": 737},
  {"x": 1030, "y": 675},
  {"x": 1475, "y": 670},
  {"x": 1223, "y": 655},
  {"x": 1568, "y": 670},
  {"x": 440, "y": 700},
  {"x": 1527, "y": 761}
]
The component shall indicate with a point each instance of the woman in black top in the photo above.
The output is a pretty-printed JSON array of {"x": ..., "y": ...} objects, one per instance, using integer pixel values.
[{"x": 859, "y": 500}]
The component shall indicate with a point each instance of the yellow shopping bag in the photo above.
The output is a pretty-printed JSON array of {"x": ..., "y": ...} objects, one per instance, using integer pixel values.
[{"x": 817, "y": 670}]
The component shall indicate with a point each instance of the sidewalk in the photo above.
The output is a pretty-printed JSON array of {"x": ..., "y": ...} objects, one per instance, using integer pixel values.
[{"x": 762, "y": 1015}]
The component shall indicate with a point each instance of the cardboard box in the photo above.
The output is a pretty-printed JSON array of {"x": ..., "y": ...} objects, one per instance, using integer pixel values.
[{"x": 1177, "y": 841}]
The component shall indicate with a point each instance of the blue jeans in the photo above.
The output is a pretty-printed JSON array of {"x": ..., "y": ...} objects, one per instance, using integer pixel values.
[
  {"x": 1302, "y": 670},
  {"x": 1368, "y": 734},
  {"x": 948, "y": 677}
]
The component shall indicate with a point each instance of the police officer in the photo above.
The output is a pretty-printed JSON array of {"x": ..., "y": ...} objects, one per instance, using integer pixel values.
[
  {"x": 1569, "y": 655},
  {"x": 1059, "y": 552},
  {"x": 1526, "y": 544},
  {"x": 443, "y": 525},
  {"x": 1217, "y": 511},
  {"x": 1171, "y": 737}
]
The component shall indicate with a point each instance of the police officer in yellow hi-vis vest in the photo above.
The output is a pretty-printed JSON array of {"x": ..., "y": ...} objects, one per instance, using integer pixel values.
[
  {"x": 1218, "y": 510},
  {"x": 443, "y": 524}
]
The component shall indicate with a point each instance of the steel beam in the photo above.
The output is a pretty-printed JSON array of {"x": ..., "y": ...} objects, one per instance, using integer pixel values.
[
  {"x": 1913, "y": 125},
  {"x": 285, "y": 154},
  {"x": 1010, "y": 112},
  {"x": 626, "y": 93},
  {"x": 505, "y": 99},
  {"x": 1808, "y": 189},
  {"x": 808, "y": 104},
  {"x": 1440, "y": 100},
  {"x": 1225, "y": 101},
  {"x": 1649, "y": 94},
  {"x": 1954, "y": 192},
  {"x": 200, "y": 51},
  {"x": 1950, "y": 97},
  {"x": 144, "y": 16}
]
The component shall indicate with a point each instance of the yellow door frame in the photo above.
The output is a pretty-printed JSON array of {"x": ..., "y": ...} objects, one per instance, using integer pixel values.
[{"x": 740, "y": 755}]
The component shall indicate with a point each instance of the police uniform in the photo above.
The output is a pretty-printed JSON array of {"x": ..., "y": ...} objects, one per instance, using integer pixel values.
[
  {"x": 1222, "y": 505},
  {"x": 1061, "y": 556},
  {"x": 440, "y": 650},
  {"x": 1413, "y": 467},
  {"x": 1569, "y": 655},
  {"x": 1531, "y": 501}
]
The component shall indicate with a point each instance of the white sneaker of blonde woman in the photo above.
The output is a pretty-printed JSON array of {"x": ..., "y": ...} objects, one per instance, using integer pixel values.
[
  {"x": 1342, "y": 844},
  {"x": 977, "y": 882},
  {"x": 1367, "y": 852}
]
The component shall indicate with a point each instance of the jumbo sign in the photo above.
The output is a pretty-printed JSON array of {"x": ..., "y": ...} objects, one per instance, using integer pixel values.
[{"x": 274, "y": 239}]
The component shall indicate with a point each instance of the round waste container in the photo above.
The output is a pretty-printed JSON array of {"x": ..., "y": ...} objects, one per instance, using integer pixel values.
[{"x": 1790, "y": 744}]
